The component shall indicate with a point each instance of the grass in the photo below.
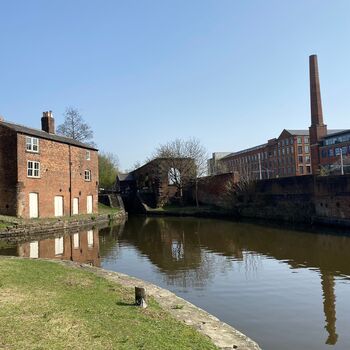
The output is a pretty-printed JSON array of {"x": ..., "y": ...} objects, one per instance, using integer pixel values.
[
  {"x": 188, "y": 210},
  {"x": 44, "y": 305},
  {"x": 104, "y": 209},
  {"x": 8, "y": 221}
]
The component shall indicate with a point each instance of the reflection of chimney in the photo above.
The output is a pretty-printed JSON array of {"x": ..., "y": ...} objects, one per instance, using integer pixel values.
[
  {"x": 48, "y": 122},
  {"x": 317, "y": 129},
  {"x": 328, "y": 285}
]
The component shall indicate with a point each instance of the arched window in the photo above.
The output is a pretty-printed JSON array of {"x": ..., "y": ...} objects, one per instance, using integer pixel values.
[{"x": 174, "y": 176}]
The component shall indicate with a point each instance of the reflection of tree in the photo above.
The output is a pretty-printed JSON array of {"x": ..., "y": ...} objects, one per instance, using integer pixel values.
[{"x": 190, "y": 252}]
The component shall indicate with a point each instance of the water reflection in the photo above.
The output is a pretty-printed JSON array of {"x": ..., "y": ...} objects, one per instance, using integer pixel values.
[
  {"x": 81, "y": 247},
  {"x": 228, "y": 268},
  {"x": 182, "y": 249}
]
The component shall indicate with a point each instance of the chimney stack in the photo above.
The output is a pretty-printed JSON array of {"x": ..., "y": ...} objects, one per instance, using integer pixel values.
[
  {"x": 318, "y": 129},
  {"x": 315, "y": 92},
  {"x": 48, "y": 122}
]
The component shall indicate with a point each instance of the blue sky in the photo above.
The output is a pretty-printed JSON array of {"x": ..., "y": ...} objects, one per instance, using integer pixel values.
[{"x": 142, "y": 72}]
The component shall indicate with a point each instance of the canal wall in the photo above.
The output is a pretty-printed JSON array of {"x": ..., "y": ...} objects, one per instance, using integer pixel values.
[
  {"x": 30, "y": 228},
  {"x": 220, "y": 333},
  {"x": 305, "y": 199}
]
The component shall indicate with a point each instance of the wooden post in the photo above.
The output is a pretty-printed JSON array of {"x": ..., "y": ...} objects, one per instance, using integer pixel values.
[{"x": 140, "y": 297}]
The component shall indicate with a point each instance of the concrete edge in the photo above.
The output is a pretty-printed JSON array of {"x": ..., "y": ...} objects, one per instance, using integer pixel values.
[{"x": 221, "y": 334}]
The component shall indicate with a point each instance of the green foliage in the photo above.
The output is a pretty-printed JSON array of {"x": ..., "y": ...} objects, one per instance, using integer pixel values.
[
  {"x": 45, "y": 305},
  {"x": 108, "y": 169}
]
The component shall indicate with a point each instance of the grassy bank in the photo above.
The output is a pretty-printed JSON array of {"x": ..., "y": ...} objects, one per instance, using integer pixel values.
[
  {"x": 44, "y": 305},
  {"x": 204, "y": 211},
  {"x": 9, "y": 221}
]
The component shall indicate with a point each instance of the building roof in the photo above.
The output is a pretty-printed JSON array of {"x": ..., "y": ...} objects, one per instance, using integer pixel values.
[
  {"x": 336, "y": 132},
  {"x": 45, "y": 135},
  {"x": 245, "y": 151},
  {"x": 298, "y": 132},
  {"x": 125, "y": 177}
]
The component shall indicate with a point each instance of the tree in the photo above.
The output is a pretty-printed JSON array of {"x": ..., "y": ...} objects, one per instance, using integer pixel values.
[
  {"x": 108, "y": 165},
  {"x": 186, "y": 161},
  {"x": 75, "y": 127}
]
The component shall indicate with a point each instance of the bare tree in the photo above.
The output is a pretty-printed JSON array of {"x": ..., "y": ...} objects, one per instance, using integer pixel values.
[
  {"x": 75, "y": 127},
  {"x": 186, "y": 161}
]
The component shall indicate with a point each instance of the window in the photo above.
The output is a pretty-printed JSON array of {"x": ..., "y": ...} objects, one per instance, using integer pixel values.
[
  {"x": 307, "y": 149},
  {"x": 292, "y": 150},
  {"x": 344, "y": 149},
  {"x": 299, "y": 140},
  {"x": 307, "y": 159},
  {"x": 87, "y": 175},
  {"x": 88, "y": 155},
  {"x": 300, "y": 159},
  {"x": 287, "y": 142},
  {"x": 308, "y": 169},
  {"x": 33, "y": 169},
  {"x": 291, "y": 140},
  {"x": 59, "y": 246},
  {"x": 76, "y": 240},
  {"x": 337, "y": 151},
  {"x": 32, "y": 144},
  {"x": 174, "y": 176},
  {"x": 331, "y": 152},
  {"x": 301, "y": 169},
  {"x": 300, "y": 149},
  {"x": 306, "y": 139}
]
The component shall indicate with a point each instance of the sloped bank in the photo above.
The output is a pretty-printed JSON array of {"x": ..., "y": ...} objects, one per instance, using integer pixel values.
[
  {"x": 221, "y": 334},
  {"x": 50, "y": 226}
]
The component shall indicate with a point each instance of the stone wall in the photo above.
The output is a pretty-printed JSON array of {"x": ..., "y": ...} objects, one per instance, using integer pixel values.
[{"x": 297, "y": 199}]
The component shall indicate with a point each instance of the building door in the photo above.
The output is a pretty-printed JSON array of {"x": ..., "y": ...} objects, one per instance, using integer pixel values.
[
  {"x": 33, "y": 205},
  {"x": 89, "y": 204},
  {"x": 58, "y": 206},
  {"x": 75, "y": 206},
  {"x": 34, "y": 249}
]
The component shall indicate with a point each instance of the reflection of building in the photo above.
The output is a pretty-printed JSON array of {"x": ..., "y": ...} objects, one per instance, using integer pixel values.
[
  {"x": 81, "y": 247},
  {"x": 189, "y": 251},
  {"x": 43, "y": 174}
]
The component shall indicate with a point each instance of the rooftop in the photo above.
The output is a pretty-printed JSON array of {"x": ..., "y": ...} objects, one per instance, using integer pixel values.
[{"x": 44, "y": 135}]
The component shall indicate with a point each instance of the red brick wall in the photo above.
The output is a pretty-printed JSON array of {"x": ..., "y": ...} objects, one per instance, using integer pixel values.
[
  {"x": 55, "y": 177},
  {"x": 83, "y": 254},
  {"x": 8, "y": 171}
]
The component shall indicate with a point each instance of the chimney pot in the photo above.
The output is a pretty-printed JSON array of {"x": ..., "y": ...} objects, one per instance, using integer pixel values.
[{"x": 48, "y": 122}]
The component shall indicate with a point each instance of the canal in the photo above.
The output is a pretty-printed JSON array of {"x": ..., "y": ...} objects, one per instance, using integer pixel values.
[{"x": 285, "y": 289}]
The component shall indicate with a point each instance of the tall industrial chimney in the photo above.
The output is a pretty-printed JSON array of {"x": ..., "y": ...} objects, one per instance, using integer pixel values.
[{"x": 318, "y": 129}]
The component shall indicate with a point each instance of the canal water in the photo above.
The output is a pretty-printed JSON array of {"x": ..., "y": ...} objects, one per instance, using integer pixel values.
[{"x": 286, "y": 289}]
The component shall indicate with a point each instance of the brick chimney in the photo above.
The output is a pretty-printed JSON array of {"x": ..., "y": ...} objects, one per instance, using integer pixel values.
[
  {"x": 318, "y": 129},
  {"x": 48, "y": 122}
]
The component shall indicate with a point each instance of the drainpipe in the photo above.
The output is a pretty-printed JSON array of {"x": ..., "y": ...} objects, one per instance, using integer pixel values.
[
  {"x": 70, "y": 182},
  {"x": 341, "y": 161}
]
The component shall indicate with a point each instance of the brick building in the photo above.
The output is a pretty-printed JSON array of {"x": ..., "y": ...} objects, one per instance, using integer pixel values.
[
  {"x": 287, "y": 155},
  {"x": 45, "y": 175},
  {"x": 294, "y": 152},
  {"x": 158, "y": 181}
]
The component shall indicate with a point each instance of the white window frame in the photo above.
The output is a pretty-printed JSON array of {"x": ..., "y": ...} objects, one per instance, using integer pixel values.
[
  {"x": 33, "y": 169},
  {"x": 30, "y": 146},
  {"x": 88, "y": 155},
  {"x": 87, "y": 175}
]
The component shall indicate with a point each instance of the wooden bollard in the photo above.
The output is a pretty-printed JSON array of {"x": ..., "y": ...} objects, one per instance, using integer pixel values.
[{"x": 140, "y": 297}]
